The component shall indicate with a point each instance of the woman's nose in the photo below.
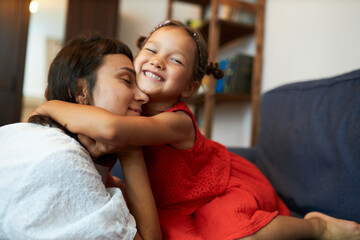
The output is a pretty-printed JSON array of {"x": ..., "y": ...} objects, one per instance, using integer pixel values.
[
  {"x": 140, "y": 96},
  {"x": 156, "y": 62}
]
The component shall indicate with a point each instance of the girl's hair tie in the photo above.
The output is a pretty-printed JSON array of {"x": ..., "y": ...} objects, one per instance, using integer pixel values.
[
  {"x": 140, "y": 42},
  {"x": 214, "y": 69}
]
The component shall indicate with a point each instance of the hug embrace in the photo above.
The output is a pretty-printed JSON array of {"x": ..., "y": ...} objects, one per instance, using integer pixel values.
[{"x": 190, "y": 187}]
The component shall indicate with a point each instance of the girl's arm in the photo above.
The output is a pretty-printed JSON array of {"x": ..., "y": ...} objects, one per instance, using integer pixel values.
[
  {"x": 174, "y": 128},
  {"x": 139, "y": 195}
]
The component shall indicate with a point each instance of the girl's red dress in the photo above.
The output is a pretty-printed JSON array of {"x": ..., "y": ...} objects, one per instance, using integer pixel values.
[{"x": 207, "y": 192}]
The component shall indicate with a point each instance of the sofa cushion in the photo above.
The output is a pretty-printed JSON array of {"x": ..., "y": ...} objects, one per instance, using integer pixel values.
[{"x": 309, "y": 145}]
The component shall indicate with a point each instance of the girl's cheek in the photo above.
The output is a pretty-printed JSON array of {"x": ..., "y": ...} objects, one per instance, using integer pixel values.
[{"x": 138, "y": 65}]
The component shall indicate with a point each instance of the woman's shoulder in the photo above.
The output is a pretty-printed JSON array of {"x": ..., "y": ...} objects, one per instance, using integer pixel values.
[
  {"x": 33, "y": 142},
  {"x": 44, "y": 168},
  {"x": 40, "y": 153},
  {"x": 27, "y": 129}
]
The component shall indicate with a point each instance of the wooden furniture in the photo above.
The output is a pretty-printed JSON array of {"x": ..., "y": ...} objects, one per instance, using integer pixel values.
[
  {"x": 14, "y": 22},
  {"x": 220, "y": 32},
  {"x": 92, "y": 16}
]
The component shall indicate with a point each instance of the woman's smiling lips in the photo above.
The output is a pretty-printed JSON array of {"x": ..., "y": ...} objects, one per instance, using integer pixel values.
[
  {"x": 153, "y": 76},
  {"x": 136, "y": 110}
]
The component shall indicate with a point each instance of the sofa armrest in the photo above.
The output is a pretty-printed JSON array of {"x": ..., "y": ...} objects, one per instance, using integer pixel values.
[{"x": 308, "y": 145}]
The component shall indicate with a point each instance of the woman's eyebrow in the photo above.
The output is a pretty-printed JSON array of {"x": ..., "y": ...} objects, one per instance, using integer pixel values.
[{"x": 130, "y": 70}]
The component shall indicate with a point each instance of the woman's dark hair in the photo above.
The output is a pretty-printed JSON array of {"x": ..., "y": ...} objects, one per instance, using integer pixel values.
[{"x": 80, "y": 58}]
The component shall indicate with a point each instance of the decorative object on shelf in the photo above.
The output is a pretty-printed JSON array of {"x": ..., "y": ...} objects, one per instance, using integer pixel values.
[{"x": 238, "y": 74}]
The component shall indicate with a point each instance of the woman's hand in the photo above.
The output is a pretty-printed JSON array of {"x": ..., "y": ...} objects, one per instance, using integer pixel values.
[{"x": 117, "y": 183}]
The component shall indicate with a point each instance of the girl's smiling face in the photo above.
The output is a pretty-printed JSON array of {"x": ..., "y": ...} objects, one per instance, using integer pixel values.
[{"x": 165, "y": 64}]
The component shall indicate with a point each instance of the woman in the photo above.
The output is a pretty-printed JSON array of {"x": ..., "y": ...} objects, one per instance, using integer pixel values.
[{"x": 50, "y": 188}]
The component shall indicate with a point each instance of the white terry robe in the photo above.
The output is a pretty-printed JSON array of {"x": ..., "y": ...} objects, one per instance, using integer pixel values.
[{"x": 50, "y": 189}]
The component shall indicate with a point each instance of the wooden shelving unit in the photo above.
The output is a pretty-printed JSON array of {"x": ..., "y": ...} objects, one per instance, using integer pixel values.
[{"x": 220, "y": 32}]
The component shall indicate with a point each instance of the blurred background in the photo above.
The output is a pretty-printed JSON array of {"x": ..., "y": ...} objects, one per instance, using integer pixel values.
[{"x": 303, "y": 40}]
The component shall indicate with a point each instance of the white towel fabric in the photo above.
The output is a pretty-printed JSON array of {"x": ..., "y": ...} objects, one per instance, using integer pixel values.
[{"x": 50, "y": 189}]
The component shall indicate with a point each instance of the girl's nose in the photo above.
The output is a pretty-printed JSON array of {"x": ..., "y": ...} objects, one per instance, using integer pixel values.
[
  {"x": 140, "y": 96},
  {"x": 157, "y": 63}
]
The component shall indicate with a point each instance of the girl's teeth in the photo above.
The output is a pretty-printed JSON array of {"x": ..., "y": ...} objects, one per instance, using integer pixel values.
[{"x": 151, "y": 75}]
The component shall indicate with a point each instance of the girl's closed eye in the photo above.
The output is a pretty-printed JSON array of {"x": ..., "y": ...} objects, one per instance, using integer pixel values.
[
  {"x": 150, "y": 50},
  {"x": 177, "y": 61}
]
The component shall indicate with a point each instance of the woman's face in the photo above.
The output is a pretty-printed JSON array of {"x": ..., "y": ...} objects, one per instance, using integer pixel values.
[{"x": 116, "y": 89}]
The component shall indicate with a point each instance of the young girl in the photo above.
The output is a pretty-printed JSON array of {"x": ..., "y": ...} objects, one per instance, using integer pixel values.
[{"x": 202, "y": 190}]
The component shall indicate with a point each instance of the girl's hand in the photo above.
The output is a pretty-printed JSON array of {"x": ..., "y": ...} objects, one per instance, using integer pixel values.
[
  {"x": 37, "y": 111},
  {"x": 97, "y": 148}
]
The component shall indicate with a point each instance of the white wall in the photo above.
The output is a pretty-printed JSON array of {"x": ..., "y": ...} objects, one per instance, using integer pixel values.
[
  {"x": 304, "y": 40},
  {"x": 47, "y": 22},
  {"x": 138, "y": 18},
  {"x": 310, "y": 39}
]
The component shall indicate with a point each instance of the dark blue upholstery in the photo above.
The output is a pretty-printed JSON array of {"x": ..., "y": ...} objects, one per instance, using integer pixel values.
[
  {"x": 309, "y": 145},
  {"x": 117, "y": 171}
]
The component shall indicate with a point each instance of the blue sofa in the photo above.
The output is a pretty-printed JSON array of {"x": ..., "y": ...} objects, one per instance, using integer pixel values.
[{"x": 309, "y": 145}]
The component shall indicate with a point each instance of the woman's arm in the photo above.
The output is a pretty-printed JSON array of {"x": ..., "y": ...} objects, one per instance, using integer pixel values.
[
  {"x": 139, "y": 195},
  {"x": 174, "y": 128}
]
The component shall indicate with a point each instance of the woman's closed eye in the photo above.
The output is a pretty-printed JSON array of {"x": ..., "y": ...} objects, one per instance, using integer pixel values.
[
  {"x": 127, "y": 81},
  {"x": 125, "y": 75},
  {"x": 126, "y": 78}
]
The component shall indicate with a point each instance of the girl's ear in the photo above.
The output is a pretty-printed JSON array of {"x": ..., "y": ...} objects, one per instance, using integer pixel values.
[
  {"x": 191, "y": 88},
  {"x": 82, "y": 93}
]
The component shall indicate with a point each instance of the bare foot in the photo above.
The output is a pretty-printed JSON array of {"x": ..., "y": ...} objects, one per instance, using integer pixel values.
[{"x": 336, "y": 228}]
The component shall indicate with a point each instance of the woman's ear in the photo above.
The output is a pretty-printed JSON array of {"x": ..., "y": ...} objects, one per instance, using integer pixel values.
[
  {"x": 191, "y": 88},
  {"x": 82, "y": 93},
  {"x": 46, "y": 93}
]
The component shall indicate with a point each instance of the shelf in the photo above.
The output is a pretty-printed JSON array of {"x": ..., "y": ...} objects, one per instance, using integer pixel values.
[
  {"x": 203, "y": 3},
  {"x": 241, "y": 5},
  {"x": 226, "y": 32},
  {"x": 229, "y": 31}
]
